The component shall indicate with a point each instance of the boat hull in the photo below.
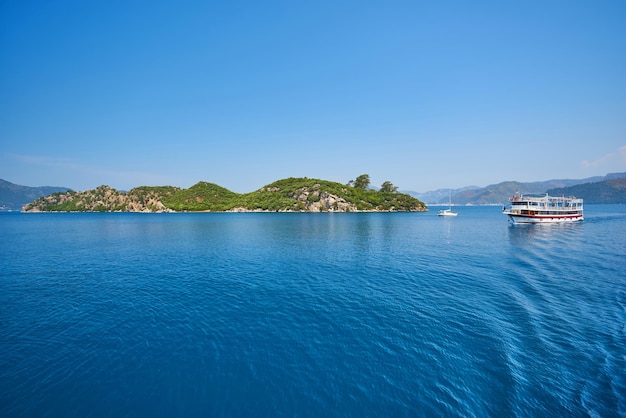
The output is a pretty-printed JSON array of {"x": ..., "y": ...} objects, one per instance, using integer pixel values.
[{"x": 541, "y": 219}]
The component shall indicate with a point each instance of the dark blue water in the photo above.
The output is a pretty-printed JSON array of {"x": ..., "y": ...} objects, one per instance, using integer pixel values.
[{"x": 312, "y": 315}]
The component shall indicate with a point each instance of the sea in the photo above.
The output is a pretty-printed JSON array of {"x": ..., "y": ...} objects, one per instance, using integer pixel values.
[{"x": 312, "y": 315}]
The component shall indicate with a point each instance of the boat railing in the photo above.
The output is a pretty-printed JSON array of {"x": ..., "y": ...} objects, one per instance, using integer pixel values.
[{"x": 543, "y": 205}]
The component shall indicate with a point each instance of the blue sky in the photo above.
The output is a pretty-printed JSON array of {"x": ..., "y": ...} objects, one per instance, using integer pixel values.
[{"x": 425, "y": 94}]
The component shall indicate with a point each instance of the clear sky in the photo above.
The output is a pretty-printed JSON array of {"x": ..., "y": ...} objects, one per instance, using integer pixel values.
[{"x": 425, "y": 94}]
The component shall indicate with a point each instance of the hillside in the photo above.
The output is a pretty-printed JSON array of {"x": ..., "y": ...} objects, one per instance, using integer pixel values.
[
  {"x": 104, "y": 199},
  {"x": 288, "y": 195},
  {"x": 609, "y": 191},
  {"x": 14, "y": 196}
]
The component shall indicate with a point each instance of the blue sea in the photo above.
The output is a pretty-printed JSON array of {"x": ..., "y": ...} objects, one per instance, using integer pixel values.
[{"x": 312, "y": 315}]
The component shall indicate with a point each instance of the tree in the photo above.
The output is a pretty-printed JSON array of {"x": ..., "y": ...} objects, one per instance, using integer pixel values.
[
  {"x": 362, "y": 182},
  {"x": 388, "y": 187}
]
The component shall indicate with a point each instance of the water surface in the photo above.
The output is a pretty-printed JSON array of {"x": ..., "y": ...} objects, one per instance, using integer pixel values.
[{"x": 364, "y": 314}]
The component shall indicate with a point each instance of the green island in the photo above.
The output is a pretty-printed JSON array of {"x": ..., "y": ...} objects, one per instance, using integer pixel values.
[{"x": 287, "y": 195}]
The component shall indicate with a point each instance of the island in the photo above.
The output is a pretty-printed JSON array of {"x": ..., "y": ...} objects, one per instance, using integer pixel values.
[{"x": 288, "y": 195}]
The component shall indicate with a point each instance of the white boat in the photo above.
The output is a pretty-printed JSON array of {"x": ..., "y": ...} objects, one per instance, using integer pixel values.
[
  {"x": 533, "y": 209},
  {"x": 447, "y": 212}
]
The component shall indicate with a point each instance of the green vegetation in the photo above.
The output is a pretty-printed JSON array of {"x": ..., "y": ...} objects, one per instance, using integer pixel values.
[
  {"x": 388, "y": 187},
  {"x": 362, "y": 182},
  {"x": 202, "y": 196},
  {"x": 291, "y": 194}
]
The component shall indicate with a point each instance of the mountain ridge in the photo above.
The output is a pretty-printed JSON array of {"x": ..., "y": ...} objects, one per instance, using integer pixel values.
[
  {"x": 499, "y": 193},
  {"x": 609, "y": 191}
]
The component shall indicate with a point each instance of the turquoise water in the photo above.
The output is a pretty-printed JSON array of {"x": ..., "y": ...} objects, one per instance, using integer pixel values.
[{"x": 363, "y": 314}]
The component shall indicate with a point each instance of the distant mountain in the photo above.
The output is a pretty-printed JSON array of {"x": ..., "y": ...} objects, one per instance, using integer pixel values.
[
  {"x": 609, "y": 191},
  {"x": 13, "y": 196},
  {"x": 498, "y": 194},
  {"x": 439, "y": 196}
]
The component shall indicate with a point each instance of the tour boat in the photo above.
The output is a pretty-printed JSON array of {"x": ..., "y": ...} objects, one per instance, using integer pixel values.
[{"x": 532, "y": 209}]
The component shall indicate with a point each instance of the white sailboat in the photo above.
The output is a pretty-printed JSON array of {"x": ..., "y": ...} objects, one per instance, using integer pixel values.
[{"x": 448, "y": 212}]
